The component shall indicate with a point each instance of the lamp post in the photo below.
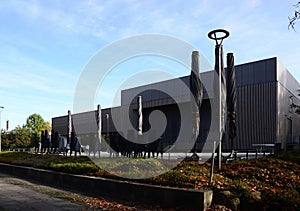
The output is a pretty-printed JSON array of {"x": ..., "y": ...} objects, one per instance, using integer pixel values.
[
  {"x": 107, "y": 134},
  {"x": 1, "y": 107},
  {"x": 290, "y": 118},
  {"x": 219, "y": 85},
  {"x": 107, "y": 125}
]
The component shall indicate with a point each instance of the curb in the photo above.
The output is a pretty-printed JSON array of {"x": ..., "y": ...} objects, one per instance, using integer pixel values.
[{"x": 118, "y": 190}]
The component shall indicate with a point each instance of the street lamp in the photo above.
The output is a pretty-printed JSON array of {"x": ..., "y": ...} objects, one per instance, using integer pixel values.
[
  {"x": 220, "y": 85},
  {"x": 290, "y": 119},
  {"x": 107, "y": 134},
  {"x": 1, "y": 107}
]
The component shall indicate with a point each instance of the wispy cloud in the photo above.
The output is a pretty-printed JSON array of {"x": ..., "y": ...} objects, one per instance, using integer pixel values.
[
  {"x": 45, "y": 44},
  {"x": 29, "y": 74}
]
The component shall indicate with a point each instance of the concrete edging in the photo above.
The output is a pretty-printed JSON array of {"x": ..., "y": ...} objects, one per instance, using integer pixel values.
[{"x": 114, "y": 189}]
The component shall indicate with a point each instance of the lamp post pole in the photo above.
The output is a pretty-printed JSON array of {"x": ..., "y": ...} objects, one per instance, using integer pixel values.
[
  {"x": 219, "y": 85},
  {"x": 107, "y": 134},
  {"x": 291, "y": 119},
  {"x": 107, "y": 125},
  {"x": 1, "y": 107}
]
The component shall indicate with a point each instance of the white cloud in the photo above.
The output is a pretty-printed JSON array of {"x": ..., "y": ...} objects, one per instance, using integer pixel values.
[{"x": 44, "y": 44}]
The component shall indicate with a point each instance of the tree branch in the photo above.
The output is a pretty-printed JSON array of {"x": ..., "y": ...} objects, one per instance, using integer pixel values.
[{"x": 293, "y": 20}]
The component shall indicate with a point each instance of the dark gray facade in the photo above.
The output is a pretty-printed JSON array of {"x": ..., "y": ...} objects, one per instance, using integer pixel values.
[{"x": 265, "y": 91}]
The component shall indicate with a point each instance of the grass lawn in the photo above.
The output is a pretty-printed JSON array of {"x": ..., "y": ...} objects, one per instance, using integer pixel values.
[{"x": 267, "y": 183}]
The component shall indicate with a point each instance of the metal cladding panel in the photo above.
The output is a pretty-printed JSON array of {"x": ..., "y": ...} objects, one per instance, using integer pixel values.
[
  {"x": 288, "y": 124},
  {"x": 286, "y": 113},
  {"x": 256, "y": 72},
  {"x": 151, "y": 92},
  {"x": 60, "y": 124},
  {"x": 207, "y": 80},
  {"x": 247, "y": 74},
  {"x": 256, "y": 115},
  {"x": 286, "y": 79},
  {"x": 107, "y": 123},
  {"x": 271, "y": 69},
  {"x": 238, "y": 75},
  {"x": 173, "y": 122},
  {"x": 85, "y": 123},
  {"x": 205, "y": 121},
  {"x": 259, "y": 71}
]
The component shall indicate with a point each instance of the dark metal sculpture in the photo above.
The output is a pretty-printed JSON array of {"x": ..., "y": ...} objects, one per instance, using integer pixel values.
[
  {"x": 140, "y": 116},
  {"x": 69, "y": 126},
  {"x": 197, "y": 92},
  {"x": 97, "y": 144},
  {"x": 43, "y": 142},
  {"x": 75, "y": 146},
  {"x": 47, "y": 141},
  {"x": 54, "y": 142},
  {"x": 231, "y": 99},
  {"x": 99, "y": 122}
]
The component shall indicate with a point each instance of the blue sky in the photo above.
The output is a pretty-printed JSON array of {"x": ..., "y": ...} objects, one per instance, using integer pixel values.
[{"x": 44, "y": 45}]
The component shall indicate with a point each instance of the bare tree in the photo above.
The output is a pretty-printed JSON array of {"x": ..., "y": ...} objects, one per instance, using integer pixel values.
[{"x": 293, "y": 20}]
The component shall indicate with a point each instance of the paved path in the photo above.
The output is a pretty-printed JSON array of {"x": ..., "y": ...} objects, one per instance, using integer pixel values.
[{"x": 17, "y": 194}]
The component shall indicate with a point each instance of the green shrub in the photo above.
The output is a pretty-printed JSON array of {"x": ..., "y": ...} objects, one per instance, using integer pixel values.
[{"x": 74, "y": 168}]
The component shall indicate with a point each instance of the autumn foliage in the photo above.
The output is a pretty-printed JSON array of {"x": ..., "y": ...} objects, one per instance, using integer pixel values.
[{"x": 275, "y": 179}]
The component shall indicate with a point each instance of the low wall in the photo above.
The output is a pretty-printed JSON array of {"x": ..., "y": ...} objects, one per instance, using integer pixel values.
[{"x": 114, "y": 189}]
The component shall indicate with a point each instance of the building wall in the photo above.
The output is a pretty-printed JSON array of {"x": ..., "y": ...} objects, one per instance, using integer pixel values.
[
  {"x": 257, "y": 72},
  {"x": 288, "y": 124},
  {"x": 263, "y": 107},
  {"x": 83, "y": 123},
  {"x": 60, "y": 124},
  {"x": 256, "y": 115}
]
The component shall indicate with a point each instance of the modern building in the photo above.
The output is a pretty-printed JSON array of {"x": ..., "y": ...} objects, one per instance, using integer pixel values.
[{"x": 265, "y": 116}]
